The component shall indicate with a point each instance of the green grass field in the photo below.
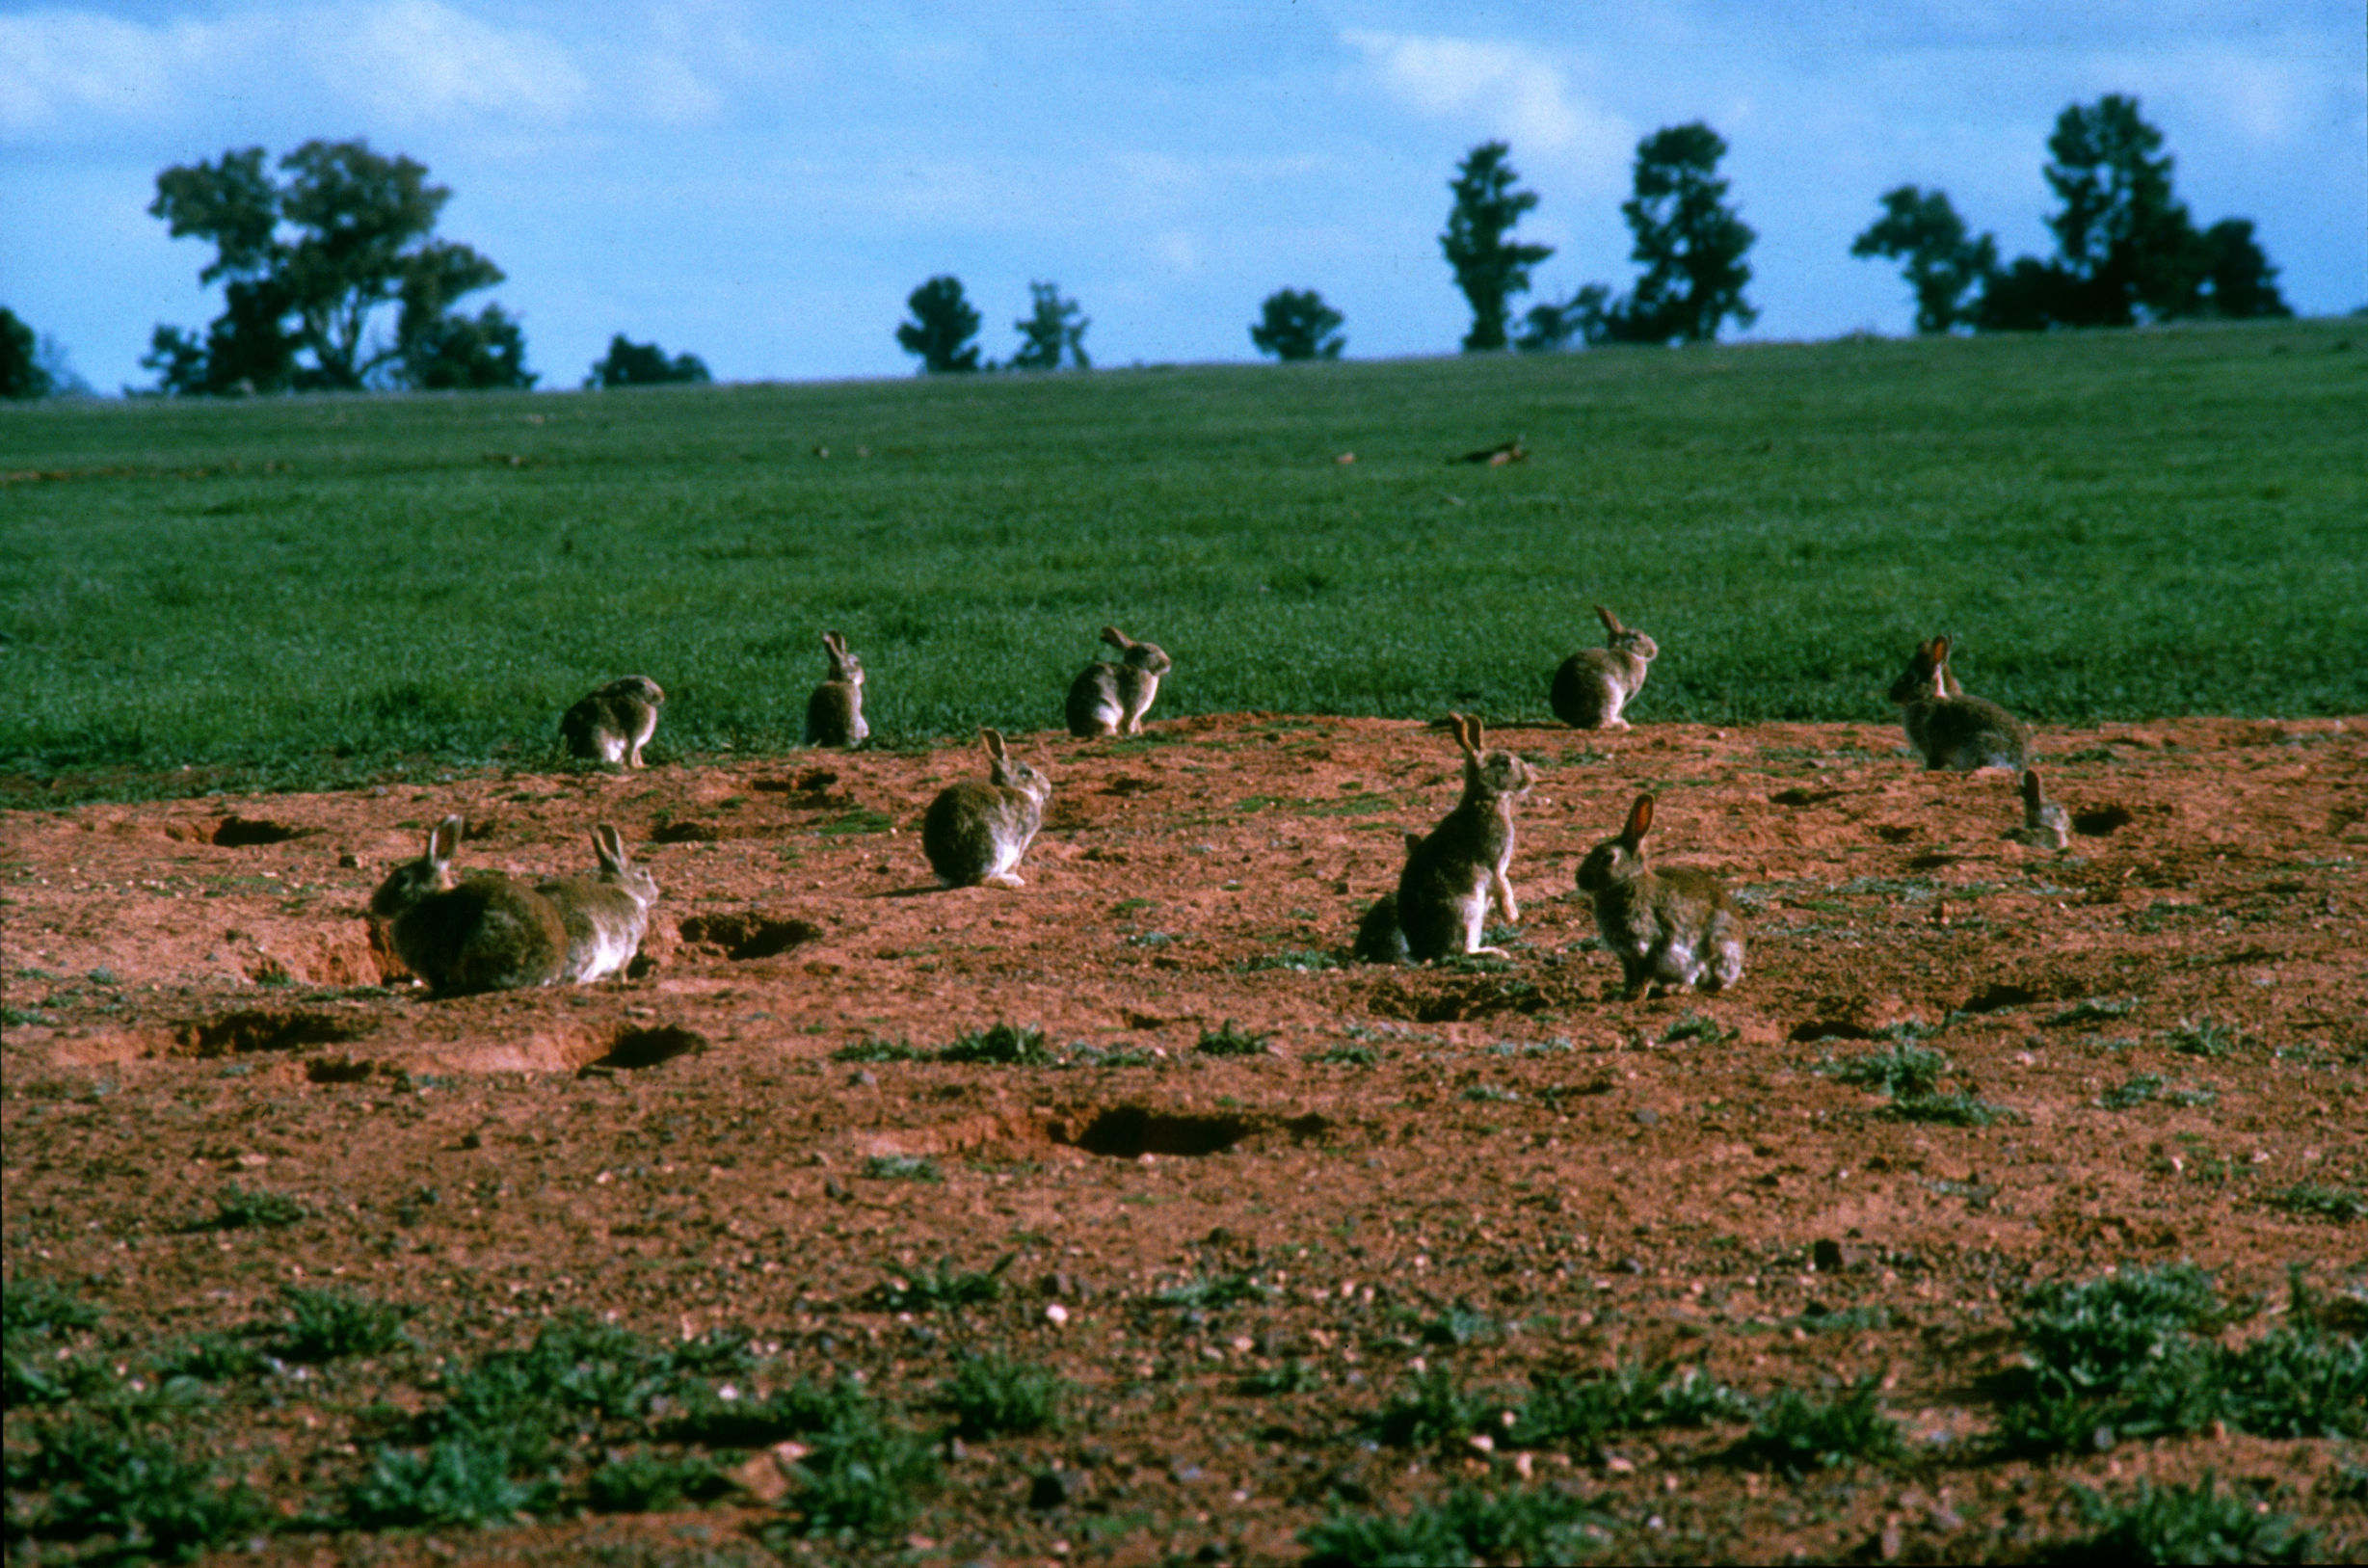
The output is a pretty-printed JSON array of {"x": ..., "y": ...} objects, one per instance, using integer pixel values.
[{"x": 300, "y": 591}]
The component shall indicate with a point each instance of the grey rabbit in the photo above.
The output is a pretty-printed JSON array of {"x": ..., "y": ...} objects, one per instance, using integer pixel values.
[
  {"x": 604, "y": 914},
  {"x": 835, "y": 712},
  {"x": 612, "y": 725},
  {"x": 1455, "y": 871},
  {"x": 1949, "y": 729},
  {"x": 486, "y": 933},
  {"x": 1111, "y": 698},
  {"x": 977, "y": 830},
  {"x": 1594, "y": 683},
  {"x": 1673, "y": 927},
  {"x": 2046, "y": 825}
]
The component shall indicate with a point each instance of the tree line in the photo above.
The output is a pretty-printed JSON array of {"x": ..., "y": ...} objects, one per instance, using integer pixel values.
[{"x": 314, "y": 252}]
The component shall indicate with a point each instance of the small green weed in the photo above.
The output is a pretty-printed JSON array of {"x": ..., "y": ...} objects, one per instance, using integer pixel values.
[
  {"x": 1798, "y": 1434},
  {"x": 643, "y": 1482},
  {"x": 1290, "y": 1376},
  {"x": 1298, "y": 960},
  {"x": 1459, "y": 1325},
  {"x": 1489, "y": 1093},
  {"x": 462, "y": 1479},
  {"x": 1214, "y": 1292},
  {"x": 238, "y": 1208},
  {"x": 2177, "y": 1523},
  {"x": 1001, "y": 1045},
  {"x": 902, "y": 1168},
  {"x": 1697, "y": 1026},
  {"x": 1229, "y": 1041},
  {"x": 102, "y": 1479},
  {"x": 990, "y": 1396},
  {"x": 2206, "y": 1037},
  {"x": 2093, "y": 1010},
  {"x": 1349, "y": 1056},
  {"x": 1435, "y": 1410},
  {"x": 942, "y": 1289},
  {"x": 2310, "y": 1200},
  {"x": 1948, "y": 1111},
  {"x": 1466, "y": 1525},
  {"x": 209, "y": 1358},
  {"x": 1580, "y": 1412},
  {"x": 331, "y": 1325},
  {"x": 875, "y": 1048},
  {"x": 1900, "y": 1069}
]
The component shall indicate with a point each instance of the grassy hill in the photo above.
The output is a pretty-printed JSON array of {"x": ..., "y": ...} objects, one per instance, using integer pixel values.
[{"x": 2113, "y": 526}]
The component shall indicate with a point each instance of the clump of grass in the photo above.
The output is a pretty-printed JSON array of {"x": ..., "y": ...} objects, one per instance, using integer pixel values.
[
  {"x": 208, "y": 1358},
  {"x": 1459, "y": 1325},
  {"x": 1466, "y": 1525},
  {"x": 102, "y": 1479},
  {"x": 1230, "y": 1041},
  {"x": 2310, "y": 1200},
  {"x": 1435, "y": 1410},
  {"x": 942, "y": 1289},
  {"x": 36, "y": 1316},
  {"x": 1214, "y": 1292},
  {"x": 2176, "y": 1524},
  {"x": 1489, "y": 1093},
  {"x": 1697, "y": 1026},
  {"x": 2093, "y": 1010},
  {"x": 1291, "y": 1376},
  {"x": 990, "y": 1396},
  {"x": 1948, "y": 1111},
  {"x": 1580, "y": 1412},
  {"x": 875, "y": 1048},
  {"x": 1798, "y": 1434},
  {"x": 464, "y": 1479},
  {"x": 2206, "y": 1037},
  {"x": 1351, "y": 1055},
  {"x": 331, "y": 1325},
  {"x": 902, "y": 1168},
  {"x": 239, "y": 1209},
  {"x": 1298, "y": 960},
  {"x": 644, "y": 1482},
  {"x": 1899, "y": 1069},
  {"x": 1000, "y": 1044}
]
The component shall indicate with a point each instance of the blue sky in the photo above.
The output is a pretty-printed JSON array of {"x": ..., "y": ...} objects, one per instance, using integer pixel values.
[{"x": 763, "y": 184}]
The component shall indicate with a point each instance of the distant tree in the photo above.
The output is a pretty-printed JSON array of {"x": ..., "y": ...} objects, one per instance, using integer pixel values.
[
  {"x": 2238, "y": 280},
  {"x": 307, "y": 263},
  {"x": 1490, "y": 269},
  {"x": 1945, "y": 266},
  {"x": 942, "y": 328},
  {"x": 22, "y": 375},
  {"x": 1296, "y": 323},
  {"x": 1582, "y": 318},
  {"x": 644, "y": 365},
  {"x": 1052, "y": 330},
  {"x": 1690, "y": 242},
  {"x": 2126, "y": 249}
]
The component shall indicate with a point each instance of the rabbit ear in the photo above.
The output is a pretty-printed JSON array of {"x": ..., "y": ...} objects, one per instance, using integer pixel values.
[
  {"x": 1639, "y": 821},
  {"x": 2033, "y": 795},
  {"x": 1473, "y": 736},
  {"x": 446, "y": 839},
  {"x": 830, "y": 642},
  {"x": 994, "y": 739},
  {"x": 1463, "y": 736},
  {"x": 1612, "y": 623},
  {"x": 609, "y": 846},
  {"x": 1940, "y": 650},
  {"x": 1116, "y": 638}
]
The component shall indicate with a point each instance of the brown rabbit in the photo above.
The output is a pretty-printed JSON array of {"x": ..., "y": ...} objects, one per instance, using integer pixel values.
[
  {"x": 489, "y": 932},
  {"x": 1673, "y": 927},
  {"x": 977, "y": 832},
  {"x": 1949, "y": 729},
  {"x": 612, "y": 725},
  {"x": 1111, "y": 698},
  {"x": 1454, "y": 873},
  {"x": 605, "y": 914},
  {"x": 1594, "y": 683},
  {"x": 835, "y": 712}
]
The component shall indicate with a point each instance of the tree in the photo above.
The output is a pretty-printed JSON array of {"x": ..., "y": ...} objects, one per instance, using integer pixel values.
[
  {"x": 22, "y": 374},
  {"x": 1053, "y": 328},
  {"x": 942, "y": 328},
  {"x": 2126, "y": 249},
  {"x": 1690, "y": 242},
  {"x": 1296, "y": 323},
  {"x": 1490, "y": 269},
  {"x": 1945, "y": 266},
  {"x": 644, "y": 365},
  {"x": 1582, "y": 318},
  {"x": 308, "y": 261}
]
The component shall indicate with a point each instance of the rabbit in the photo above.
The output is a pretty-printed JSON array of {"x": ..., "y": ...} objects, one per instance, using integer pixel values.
[
  {"x": 1111, "y": 698},
  {"x": 835, "y": 712},
  {"x": 489, "y": 932},
  {"x": 1454, "y": 872},
  {"x": 976, "y": 833},
  {"x": 612, "y": 725},
  {"x": 2046, "y": 825},
  {"x": 1595, "y": 683},
  {"x": 1672, "y": 927},
  {"x": 1949, "y": 729},
  {"x": 605, "y": 914}
]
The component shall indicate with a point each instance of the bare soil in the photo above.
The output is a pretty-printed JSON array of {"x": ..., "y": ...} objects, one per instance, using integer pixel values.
[{"x": 195, "y": 996}]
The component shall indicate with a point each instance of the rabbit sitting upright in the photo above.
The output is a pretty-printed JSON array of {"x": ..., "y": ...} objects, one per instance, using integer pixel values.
[
  {"x": 976, "y": 831},
  {"x": 1672, "y": 927}
]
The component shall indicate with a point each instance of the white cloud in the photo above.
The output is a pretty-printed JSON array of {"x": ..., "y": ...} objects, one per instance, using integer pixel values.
[
  {"x": 58, "y": 69},
  {"x": 1512, "y": 92},
  {"x": 416, "y": 60}
]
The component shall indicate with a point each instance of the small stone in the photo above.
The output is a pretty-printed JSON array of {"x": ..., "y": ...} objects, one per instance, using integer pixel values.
[
  {"x": 863, "y": 1078},
  {"x": 1056, "y": 1314},
  {"x": 1647, "y": 1116}
]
